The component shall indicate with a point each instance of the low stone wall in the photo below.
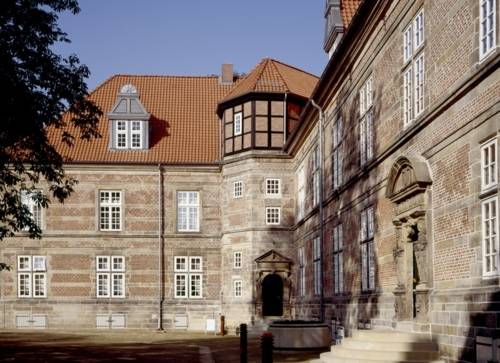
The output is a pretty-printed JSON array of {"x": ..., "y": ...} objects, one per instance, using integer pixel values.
[{"x": 300, "y": 335}]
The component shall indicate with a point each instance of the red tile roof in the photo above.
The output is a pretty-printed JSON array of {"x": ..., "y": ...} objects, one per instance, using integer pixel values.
[
  {"x": 275, "y": 77},
  {"x": 185, "y": 126},
  {"x": 347, "y": 9}
]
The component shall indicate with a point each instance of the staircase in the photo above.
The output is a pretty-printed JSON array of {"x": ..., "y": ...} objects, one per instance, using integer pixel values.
[{"x": 383, "y": 346}]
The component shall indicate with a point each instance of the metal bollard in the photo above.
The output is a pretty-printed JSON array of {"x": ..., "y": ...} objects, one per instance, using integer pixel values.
[
  {"x": 243, "y": 343},
  {"x": 266, "y": 345}
]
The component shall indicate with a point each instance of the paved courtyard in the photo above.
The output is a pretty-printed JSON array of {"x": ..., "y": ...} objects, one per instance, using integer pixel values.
[{"x": 130, "y": 346}]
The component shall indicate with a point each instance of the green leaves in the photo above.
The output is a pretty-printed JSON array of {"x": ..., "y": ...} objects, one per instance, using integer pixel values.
[{"x": 38, "y": 86}]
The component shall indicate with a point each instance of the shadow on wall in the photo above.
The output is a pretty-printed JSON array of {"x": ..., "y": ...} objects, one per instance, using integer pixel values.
[
  {"x": 159, "y": 130},
  {"x": 484, "y": 328}
]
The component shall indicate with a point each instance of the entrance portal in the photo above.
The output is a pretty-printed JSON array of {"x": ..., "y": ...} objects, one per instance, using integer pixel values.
[{"x": 272, "y": 295}]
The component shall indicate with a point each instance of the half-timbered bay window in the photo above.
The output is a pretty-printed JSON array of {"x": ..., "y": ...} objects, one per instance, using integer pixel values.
[
  {"x": 237, "y": 123},
  {"x": 489, "y": 164},
  {"x": 366, "y": 122},
  {"x": 31, "y": 276},
  {"x": 28, "y": 200},
  {"x": 188, "y": 211},
  {"x": 110, "y": 276},
  {"x": 338, "y": 259},
  {"x": 317, "y": 266},
  {"x": 302, "y": 272},
  {"x": 487, "y": 27},
  {"x": 413, "y": 73},
  {"x": 110, "y": 210},
  {"x": 337, "y": 154},
  {"x": 367, "y": 249},
  {"x": 188, "y": 275}
]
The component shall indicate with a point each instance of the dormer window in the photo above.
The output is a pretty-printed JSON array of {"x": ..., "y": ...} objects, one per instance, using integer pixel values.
[{"x": 129, "y": 121}]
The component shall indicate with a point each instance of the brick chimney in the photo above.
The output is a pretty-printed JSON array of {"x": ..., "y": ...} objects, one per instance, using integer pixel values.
[{"x": 227, "y": 75}]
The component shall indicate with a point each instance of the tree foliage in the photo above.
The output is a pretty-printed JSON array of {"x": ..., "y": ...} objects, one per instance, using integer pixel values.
[{"x": 38, "y": 87}]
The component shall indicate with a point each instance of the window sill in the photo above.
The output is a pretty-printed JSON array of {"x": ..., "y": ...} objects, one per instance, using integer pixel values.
[{"x": 488, "y": 192}]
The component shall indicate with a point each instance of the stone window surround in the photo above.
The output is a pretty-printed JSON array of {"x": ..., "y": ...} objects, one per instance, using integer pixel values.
[
  {"x": 197, "y": 206},
  {"x": 338, "y": 260},
  {"x": 366, "y": 121},
  {"x": 337, "y": 153},
  {"x": 316, "y": 260},
  {"x": 237, "y": 259},
  {"x": 302, "y": 272},
  {"x": 273, "y": 215},
  {"x": 32, "y": 270},
  {"x": 367, "y": 245},
  {"x": 237, "y": 288},
  {"x": 492, "y": 222}
]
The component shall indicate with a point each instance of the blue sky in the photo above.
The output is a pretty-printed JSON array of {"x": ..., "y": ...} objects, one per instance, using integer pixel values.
[{"x": 193, "y": 37}]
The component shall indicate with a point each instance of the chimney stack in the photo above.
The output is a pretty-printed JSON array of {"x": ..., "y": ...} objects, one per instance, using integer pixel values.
[{"x": 227, "y": 75}]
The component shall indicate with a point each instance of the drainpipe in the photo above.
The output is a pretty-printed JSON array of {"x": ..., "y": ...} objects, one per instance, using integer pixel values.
[
  {"x": 321, "y": 226},
  {"x": 160, "y": 247}
]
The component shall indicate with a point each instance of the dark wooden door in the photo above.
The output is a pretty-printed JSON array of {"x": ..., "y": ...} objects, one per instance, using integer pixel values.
[{"x": 272, "y": 295}]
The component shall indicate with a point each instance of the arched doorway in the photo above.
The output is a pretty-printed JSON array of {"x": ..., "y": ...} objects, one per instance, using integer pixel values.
[
  {"x": 272, "y": 295},
  {"x": 408, "y": 189}
]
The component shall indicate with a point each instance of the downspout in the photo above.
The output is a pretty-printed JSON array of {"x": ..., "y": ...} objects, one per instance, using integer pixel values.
[
  {"x": 284, "y": 119},
  {"x": 160, "y": 247},
  {"x": 321, "y": 223}
]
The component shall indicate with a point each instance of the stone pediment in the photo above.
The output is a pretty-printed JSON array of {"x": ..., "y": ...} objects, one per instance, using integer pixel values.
[
  {"x": 407, "y": 177},
  {"x": 273, "y": 257}
]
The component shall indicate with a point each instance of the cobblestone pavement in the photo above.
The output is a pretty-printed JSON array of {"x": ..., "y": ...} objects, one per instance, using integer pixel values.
[{"x": 130, "y": 346}]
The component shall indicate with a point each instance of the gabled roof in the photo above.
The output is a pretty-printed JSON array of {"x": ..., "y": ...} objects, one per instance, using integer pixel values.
[
  {"x": 347, "y": 9},
  {"x": 273, "y": 256},
  {"x": 184, "y": 125},
  {"x": 272, "y": 76}
]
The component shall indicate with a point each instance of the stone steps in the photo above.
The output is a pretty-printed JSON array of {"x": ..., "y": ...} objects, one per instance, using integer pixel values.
[{"x": 383, "y": 346}]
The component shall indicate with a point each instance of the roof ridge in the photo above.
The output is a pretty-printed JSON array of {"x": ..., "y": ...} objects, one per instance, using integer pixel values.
[
  {"x": 164, "y": 75},
  {"x": 263, "y": 62},
  {"x": 281, "y": 76},
  {"x": 294, "y": 67}
]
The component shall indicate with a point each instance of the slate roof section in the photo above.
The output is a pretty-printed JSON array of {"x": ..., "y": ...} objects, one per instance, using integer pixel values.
[
  {"x": 347, "y": 9},
  {"x": 272, "y": 76}
]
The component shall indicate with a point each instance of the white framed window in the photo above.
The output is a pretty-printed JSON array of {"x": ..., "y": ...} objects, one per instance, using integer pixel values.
[
  {"x": 28, "y": 200},
  {"x": 338, "y": 259},
  {"x": 407, "y": 44},
  {"x": 110, "y": 210},
  {"x": 315, "y": 165},
  {"x": 273, "y": 187},
  {"x": 136, "y": 135},
  {"x": 337, "y": 153},
  {"x": 188, "y": 277},
  {"x": 238, "y": 117},
  {"x": 317, "y": 266},
  {"x": 301, "y": 193},
  {"x": 273, "y": 215},
  {"x": 110, "y": 276},
  {"x": 31, "y": 276},
  {"x": 490, "y": 238},
  {"x": 487, "y": 27},
  {"x": 237, "y": 260},
  {"x": 366, "y": 122},
  {"x": 489, "y": 164},
  {"x": 188, "y": 211},
  {"x": 418, "y": 70},
  {"x": 407, "y": 97},
  {"x": 121, "y": 132},
  {"x": 237, "y": 288},
  {"x": 302, "y": 272},
  {"x": 418, "y": 29},
  {"x": 367, "y": 249},
  {"x": 414, "y": 73},
  {"x": 237, "y": 189}
]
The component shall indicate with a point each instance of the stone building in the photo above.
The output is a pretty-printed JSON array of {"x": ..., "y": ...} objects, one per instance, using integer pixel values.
[{"x": 368, "y": 196}]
